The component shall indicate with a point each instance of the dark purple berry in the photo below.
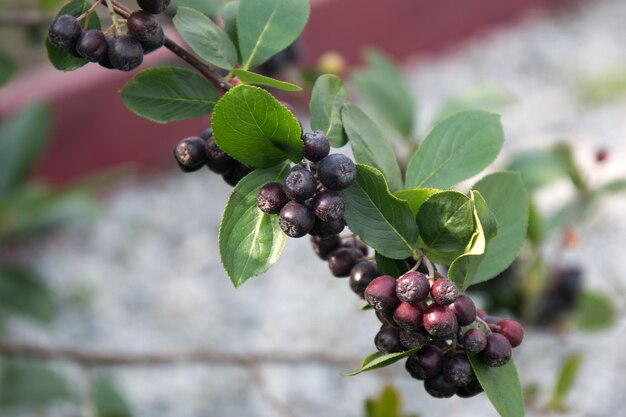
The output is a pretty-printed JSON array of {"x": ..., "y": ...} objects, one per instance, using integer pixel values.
[
  {"x": 497, "y": 352},
  {"x": 324, "y": 246},
  {"x": 125, "y": 52},
  {"x": 105, "y": 62},
  {"x": 438, "y": 387},
  {"x": 218, "y": 160},
  {"x": 407, "y": 316},
  {"x": 474, "y": 340},
  {"x": 361, "y": 275},
  {"x": 444, "y": 292},
  {"x": 207, "y": 133},
  {"x": 440, "y": 322},
  {"x": 353, "y": 242},
  {"x": 64, "y": 31},
  {"x": 342, "y": 260},
  {"x": 491, "y": 319},
  {"x": 326, "y": 229},
  {"x": 328, "y": 206},
  {"x": 426, "y": 363},
  {"x": 387, "y": 340},
  {"x": 300, "y": 184},
  {"x": 154, "y": 6},
  {"x": 413, "y": 287},
  {"x": 271, "y": 198},
  {"x": 411, "y": 338},
  {"x": 464, "y": 309},
  {"x": 316, "y": 145},
  {"x": 381, "y": 295},
  {"x": 189, "y": 154},
  {"x": 457, "y": 369},
  {"x": 470, "y": 390},
  {"x": 512, "y": 330},
  {"x": 296, "y": 219},
  {"x": 236, "y": 173},
  {"x": 145, "y": 27},
  {"x": 92, "y": 45},
  {"x": 336, "y": 172}
]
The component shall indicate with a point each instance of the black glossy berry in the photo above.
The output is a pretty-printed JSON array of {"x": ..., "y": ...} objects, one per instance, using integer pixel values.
[
  {"x": 145, "y": 27},
  {"x": 326, "y": 229},
  {"x": 361, "y": 275},
  {"x": 465, "y": 310},
  {"x": 470, "y": 390},
  {"x": 342, "y": 260},
  {"x": 316, "y": 145},
  {"x": 440, "y": 322},
  {"x": 497, "y": 352},
  {"x": 300, "y": 184},
  {"x": 381, "y": 295},
  {"x": 207, "y": 133},
  {"x": 92, "y": 45},
  {"x": 438, "y": 387},
  {"x": 457, "y": 369},
  {"x": 296, "y": 219},
  {"x": 189, "y": 154},
  {"x": 153, "y": 6},
  {"x": 354, "y": 242},
  {"x": 413, "y": 287},
  {"x": 236, "y": 173},
  {"x": 105, "y": 62},
  {"x": 512, "y": 330},
  {"x": 387, "y": 340},
  {"x": 444, "y": 292},
  {"x": 474, "y": 340},
  {"x": 407, "y": 316},
  {"x": 411, "y": 338},
  {"x": 271, "y": 198},
  {"x": 329, "y": 206},
  {"x": 336, "y": 172},
  {"x": 218, "y": 160},
  {"x": 125, "y": 52},
  {"x": 64, "y": 31},
  {"x": 425, "y": 363},
  {"x": 324, "y": 246}
]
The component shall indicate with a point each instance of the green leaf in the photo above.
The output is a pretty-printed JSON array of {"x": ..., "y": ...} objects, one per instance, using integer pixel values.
[
  {"x": 378, "y": 360},
  {"x": 108, "y": 400},
  {"x": 266, "y": 27},
  {"x": 565, "y": 381},
  {"x": 61, "y": 58},
  {"x": 381, "y": 220},
  {"x": 538, "y": 168},
  {"x": 207, "y": 7},
  {"x": 27, "y": 385},
  {"x": 594, "y": 311},
  {"x": 253, "y": 127},
  {"x": 456, "y": 149},
  {"x": 23, "y": 293},
  {"x": 386, "y": 90},
  {"x": 486, "y": 97},
  {"x": 327, "y": 99},
  {"x": 7, "y": 68},
  {"x": 617, "y": 186},
  {"x": 388, "y": 266},
  {"x": 248, "y": 77},
  {"x": 229, "y": 16},
  {"x": 250, "y": 240},
  {"x": 388, "y": 403},
  {"x": 206, "y": 39},
  {"x": 22, "y": 140},
  {"x": 369, "y": 144},
  {"x": 166, "y": 94},
  {"x": 416, "y": 197},
  {"x": 563, "y": 153},
  {"x": 508, "y": 200},
  {"x": 446, "y": 221},
  {"x": 502, "y": 386}
]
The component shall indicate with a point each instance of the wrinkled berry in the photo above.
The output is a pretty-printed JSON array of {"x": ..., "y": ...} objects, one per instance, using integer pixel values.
[
  {"x": 497, "y": 352},
  {"x": 236, "y": 173},
  {"x": 326, "y": 229},
  {"x": 407, "y": 316},
  {"x": 316, "y": 145},
  {"x": 153, "y": 6},
  {"x": 440, "y": 322},
  {"x": 296, "y": 219},
  {"x": 336, "y": 172},
  {"x": 145, "y": 27},
  {"x": 361, "y": 275},
  {"x": 444, "y": 292},
  {"x": 381, "y": 295},
  {"x": 411, "y": 338},
  {"x": 426, "y": 363},
  {"x": 300, "y": 184},
  {"x": 342, "y": 260},
  {"x": 64, "y": 31},
  {"x": 464, "y": 309},
  {"x": 328, "y": 206},
  {"x": 457, "y": 370},
  {"x": 387, "y": 340},
  {"x": 189, "y": 154},
  {"x": 474, "y": 340},
  {"x": 438, "y": 387},
  {"x": 512, "y": 330},
  {"x": 92, "y": 45},
  {"x": 324, "y": 246},
  {"x": 125, "y": 52},
  {"x": 413, "y": 287},
  {"x": 271, "y": 198}
]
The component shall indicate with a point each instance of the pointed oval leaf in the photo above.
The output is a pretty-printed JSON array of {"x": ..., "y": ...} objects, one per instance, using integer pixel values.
[
  {"x": 456, "y": 149},
  {"x": 388, "y": 266},
  {"x": 250, "y": 240},
  {"x": 378, "y": 360},
  {"x": 381, "y": 220},
  {"x": 416, "y": 197},
  {"x": 266, "y": 27},
  {"x": 253, "y": 127},
  {"x": 167, "y": 94},
  {"x": 327, "y": 99},
  {"x": 229, "y": 16},
  {"x": 370, "y": 145},
  {"x": 108, "y": 400},
  {"x": 502, "y": 386},
  {"x": 248, "y": 77},
  {"x": 446, "y": 221}
]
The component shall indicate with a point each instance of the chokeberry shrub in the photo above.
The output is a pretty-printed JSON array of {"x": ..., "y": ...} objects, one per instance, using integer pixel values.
[{"x": 288, "y": 182}]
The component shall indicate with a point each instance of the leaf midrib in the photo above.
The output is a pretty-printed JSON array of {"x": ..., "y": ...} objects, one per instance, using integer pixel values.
[{"x": 261, "y": 35}]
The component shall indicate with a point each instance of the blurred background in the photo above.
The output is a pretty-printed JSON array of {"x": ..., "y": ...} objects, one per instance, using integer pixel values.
[{"x": 113, "y": 301}]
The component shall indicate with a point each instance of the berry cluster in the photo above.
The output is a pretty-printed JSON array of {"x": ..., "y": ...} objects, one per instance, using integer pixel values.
[
  {"x": 194, "y": 152},
  {"x": 416, "y": 311},
  {"x": 307, "y": 200},
  {"x": 123, "y": 52}
]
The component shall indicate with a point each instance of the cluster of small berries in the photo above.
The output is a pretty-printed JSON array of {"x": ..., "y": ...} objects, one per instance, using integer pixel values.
[
  {"x": 123, "y": 52},
  {"x": 345, "y": 258},
  {"x": 194, "y": 152},
  {"x": 307, "y": 200},
  {"x": 448, "y": 326}
]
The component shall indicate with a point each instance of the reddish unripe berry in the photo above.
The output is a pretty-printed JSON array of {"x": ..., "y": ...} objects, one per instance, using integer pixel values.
[
  {"x": 361, "y": 275},
  {"x": 497, "y": 352},
  {"x": 426, "y": 363},
  {"x": 412, "y": 287},
  {"x": 481, "y": 313},
  {"x": 457, "y": 369},
  {"x": 381, "y": 295},
  {"x": 440, "y": 322},
  {"x": 438, "y": 387},
  {"x": 601, "y": 155},
  {"x": 512, "y": 330},
  {"x": 387, "y": 340},
  {"x": 474, "y": 340},
  {"x": 407, "y": 316},
  {"x": 271, "y": 198},
  {"x": 465, "y": 310},
  {"x": 444, "y": 292},
  {"x": 342, "y": 260},
  {"x": 324, "y": 246}
]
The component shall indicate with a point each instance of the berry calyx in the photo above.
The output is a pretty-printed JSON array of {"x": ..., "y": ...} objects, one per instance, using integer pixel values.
[
  {"x": 154, "y": 6},
  {"x": 271, "y": 198},
  {"x": 337, "y": 172},
  {"x": 189, "y": 154},
  {"x": 316, "y": 145},
  {"x": 296, "y": 219},
  {"x": 512, "y": 330},
  {"x": 381, "y": 295},
  {"x": 465, "y": 310},
  {"x": 361, "y": 275},
  {"x": 444, "y": 292},
  {"x": 440, "y": 322},
  {"x": 92, "y": 45},
  {"x": 425, "y": 363},
  {"x": 125, "y": 52},
  {"x": 300, "y": 184},
  {"x": 328, "y": 206},
  {"x": 497, "y": 352},
  {"x": 412, "y": 287},
  {"x": 64, "y": 31},
  {"x": 342, "y": 260},
  {"x": 387, "y": 340},
  {"x": 474, "y": 340},
  {"x": 145, "y": 27}
]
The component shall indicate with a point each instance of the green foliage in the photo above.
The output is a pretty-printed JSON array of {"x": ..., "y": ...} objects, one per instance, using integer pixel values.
[
  {"x": 388, "y": 404},
  {"x": 206, "y": 39},
  {"x": 388, "y": 266},
  {"x": 594, "y": 311},
  {"x": 486, "y": 97},
  {"x": 250, "y": 240},
  {"x": 379, "y": 360},
  {"x": 256, "y": 129},
  {"x": 266, "y": 27},
  {"x": 229, "y": 16},
  {"x": 369, "y": 144},
  {"x": 248, "y": 77},
  {"x": 502, "y": 386},
  {"x": 381, "y": 220},
  {"x": 21, "y": 142},
  {"x": 108, "y": 400},
  {"x": 416, "y": 197},
  {"x": 538, "y": 168},
  {"x": 7, "y": 68},
  {"x": 563, "y": 153},
  {"x": 456, "y": 149},
  {"x": 327, "y": 100},
  {"x": 387, "y": 92},
  {"x": 23, "y": 293},
  {"x": 167, "y": 94},
  {"x": 565, "y": 381},
  {"x": 62, "y": 59},
  {"x": 207, "y": 7},
  {"x": 446, "y": 222}
]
